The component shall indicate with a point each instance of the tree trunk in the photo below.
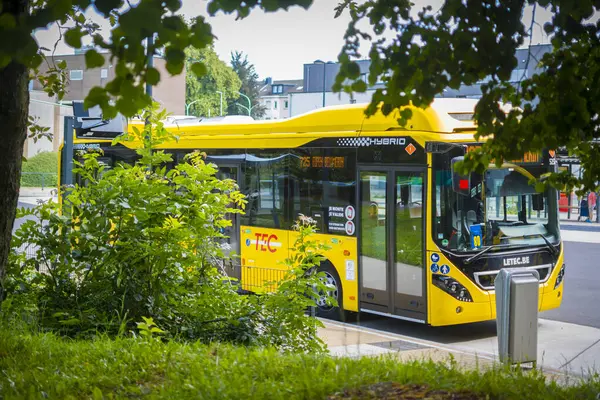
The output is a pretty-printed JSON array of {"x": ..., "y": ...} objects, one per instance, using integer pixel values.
[{"x": 14, "y": 107}]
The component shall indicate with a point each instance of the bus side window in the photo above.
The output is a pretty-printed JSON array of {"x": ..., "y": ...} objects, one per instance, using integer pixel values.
[
  {"x": 323, "y": 185},
  {"x": 264, "y": 183}
]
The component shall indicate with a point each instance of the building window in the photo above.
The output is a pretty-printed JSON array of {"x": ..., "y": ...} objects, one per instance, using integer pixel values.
[
  {"x": 269, "y": 104},
  {"x": 277, "y": 89},
  {"x": 286, "y": 104},
  {"x": 275, "y": 105},
  {"x": 104, "y": 73},
  {"x": 76, "y": 74}
]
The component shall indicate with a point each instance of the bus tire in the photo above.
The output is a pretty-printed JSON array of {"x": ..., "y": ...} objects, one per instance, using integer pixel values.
[{"x": 323, "y": 309}]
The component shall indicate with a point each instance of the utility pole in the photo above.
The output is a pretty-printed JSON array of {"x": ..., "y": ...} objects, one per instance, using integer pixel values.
[
  {"x": 150, "y": 61},
  {"x": 324, "y": 76}
]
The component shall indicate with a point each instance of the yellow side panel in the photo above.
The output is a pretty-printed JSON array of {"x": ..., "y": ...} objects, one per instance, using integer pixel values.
[
  {"x": 263, "y": 251},
  {"x": 343, "y": 255}
]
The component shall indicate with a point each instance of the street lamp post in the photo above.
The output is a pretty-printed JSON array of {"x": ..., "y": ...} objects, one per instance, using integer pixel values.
[
  {"x": 187, "y": 106},
  {"x": 249, "y": 108},
  {"x": 221, "y": 94}
]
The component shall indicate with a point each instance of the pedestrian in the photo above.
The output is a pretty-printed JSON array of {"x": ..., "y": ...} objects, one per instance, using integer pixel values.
[
  {"x": 584, "y": 211},
  {"x": 591, "y": 205}
]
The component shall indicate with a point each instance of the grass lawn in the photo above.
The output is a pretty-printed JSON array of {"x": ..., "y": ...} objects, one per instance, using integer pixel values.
[
  {"x": 45, "y": 162},
  {"x": 44, "y": 366}
]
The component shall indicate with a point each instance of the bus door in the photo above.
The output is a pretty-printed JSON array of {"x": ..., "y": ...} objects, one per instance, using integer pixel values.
[
  {"x": 391, "y": 241},
  {"x": 231, "y": 171}
]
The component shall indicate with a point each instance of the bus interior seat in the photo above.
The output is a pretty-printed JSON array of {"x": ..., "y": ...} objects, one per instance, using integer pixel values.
[{"x": 471, "y": 218}]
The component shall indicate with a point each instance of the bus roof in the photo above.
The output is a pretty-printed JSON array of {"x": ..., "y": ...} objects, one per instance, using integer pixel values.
[{"x": 445, "y": 115}]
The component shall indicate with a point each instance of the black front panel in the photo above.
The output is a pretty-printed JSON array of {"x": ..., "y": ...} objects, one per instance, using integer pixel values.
[{"x": 528, "y": 257}]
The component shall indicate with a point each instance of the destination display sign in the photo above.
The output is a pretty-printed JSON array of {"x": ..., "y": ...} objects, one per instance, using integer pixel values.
[{"x": 528, "y": 158}]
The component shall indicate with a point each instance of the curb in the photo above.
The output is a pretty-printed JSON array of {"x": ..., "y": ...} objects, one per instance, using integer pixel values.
[{"x": 548, "y": 371}]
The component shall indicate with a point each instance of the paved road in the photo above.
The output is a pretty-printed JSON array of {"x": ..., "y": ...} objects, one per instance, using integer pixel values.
[
  {"x": 580, "y": 303},
  {"x": 582, "y": 286}
]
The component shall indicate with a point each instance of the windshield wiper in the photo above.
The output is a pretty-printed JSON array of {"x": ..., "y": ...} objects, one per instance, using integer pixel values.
[
  {"x": 549, "y": 245},
  {"x": 477, "y": 256}
]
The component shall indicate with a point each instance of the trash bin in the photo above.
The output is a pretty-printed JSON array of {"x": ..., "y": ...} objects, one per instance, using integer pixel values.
[{"x": 517, "y": 292}]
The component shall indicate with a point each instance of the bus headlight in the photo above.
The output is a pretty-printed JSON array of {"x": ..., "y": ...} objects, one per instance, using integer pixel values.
[
  {"x": 560, "y": 276},
  {"x": 452, "y": 287}
]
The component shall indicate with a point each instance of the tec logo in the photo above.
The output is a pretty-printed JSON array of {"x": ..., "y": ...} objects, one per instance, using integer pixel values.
[{"x": 265, "y": 242}]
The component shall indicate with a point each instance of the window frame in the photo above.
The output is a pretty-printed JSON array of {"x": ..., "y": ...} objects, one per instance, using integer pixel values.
[{"x": 71, "y": 78}]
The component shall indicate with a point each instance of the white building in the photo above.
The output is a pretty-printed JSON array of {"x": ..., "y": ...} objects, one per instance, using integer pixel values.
[
  {"x": 301, "y": 103},
  {"x": 275, "y": 97},
  {"x": 50, "y": 114}
]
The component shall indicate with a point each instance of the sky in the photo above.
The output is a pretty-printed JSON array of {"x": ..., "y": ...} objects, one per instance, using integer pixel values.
[{"x": 280, "y": 43}]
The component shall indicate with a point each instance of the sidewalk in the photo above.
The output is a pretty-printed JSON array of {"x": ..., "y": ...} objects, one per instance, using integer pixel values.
[
  {"x": 565, "y": 351},
  {"x": 31, "y": 195}
]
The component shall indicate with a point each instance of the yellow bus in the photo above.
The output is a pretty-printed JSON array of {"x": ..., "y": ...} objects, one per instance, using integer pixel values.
[{"x": 408, "y": 237}]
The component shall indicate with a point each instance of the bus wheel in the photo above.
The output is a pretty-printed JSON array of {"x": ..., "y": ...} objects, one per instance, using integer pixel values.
[{"x": 332, "y": 280}]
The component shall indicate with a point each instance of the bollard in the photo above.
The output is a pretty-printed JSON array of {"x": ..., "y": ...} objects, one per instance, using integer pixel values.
[{"x": 517, "y": 292}]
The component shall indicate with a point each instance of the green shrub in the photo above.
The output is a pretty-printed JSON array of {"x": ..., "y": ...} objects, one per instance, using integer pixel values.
[
  {"x": 44, "y": 366},
  {"x": 140, "y": 241},
  {"x": 45, "y": 163}
]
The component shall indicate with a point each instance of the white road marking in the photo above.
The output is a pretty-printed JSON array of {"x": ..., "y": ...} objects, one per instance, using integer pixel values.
[{"x": 580, "y": 236}]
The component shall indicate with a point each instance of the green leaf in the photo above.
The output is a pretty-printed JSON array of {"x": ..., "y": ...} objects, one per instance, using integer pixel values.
[
  {"x": 93, "y": 59},
  {"x": 359, "y": 86},
  {"x": 7, "y": 21},
  {"x": 175, "y": 60},
  {"x": 199, "y": 69},
  {"x": 152, "y": 76},
  {"x": 353, "y": 70},
  {"x": 97, "y": 394},
  {"x": 106, "y": 6},
  {"x": 73, "y": 37}
]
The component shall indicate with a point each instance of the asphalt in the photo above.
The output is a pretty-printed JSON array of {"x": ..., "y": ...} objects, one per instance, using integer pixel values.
[{"x": 582, "y": 286}]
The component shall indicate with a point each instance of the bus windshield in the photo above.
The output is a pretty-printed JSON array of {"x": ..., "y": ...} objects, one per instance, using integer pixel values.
[{"x": 500, "y": 207}]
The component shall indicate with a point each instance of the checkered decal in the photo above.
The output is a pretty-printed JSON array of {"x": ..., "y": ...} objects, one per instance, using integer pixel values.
[
  {"x": 354, "y": 142},
  {"x": 371, "y": 141}
]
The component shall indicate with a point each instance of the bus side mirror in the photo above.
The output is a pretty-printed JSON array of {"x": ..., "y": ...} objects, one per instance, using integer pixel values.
[
  {"x": 537, "y": 202},
  {"x": 460, "y": 183}
]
